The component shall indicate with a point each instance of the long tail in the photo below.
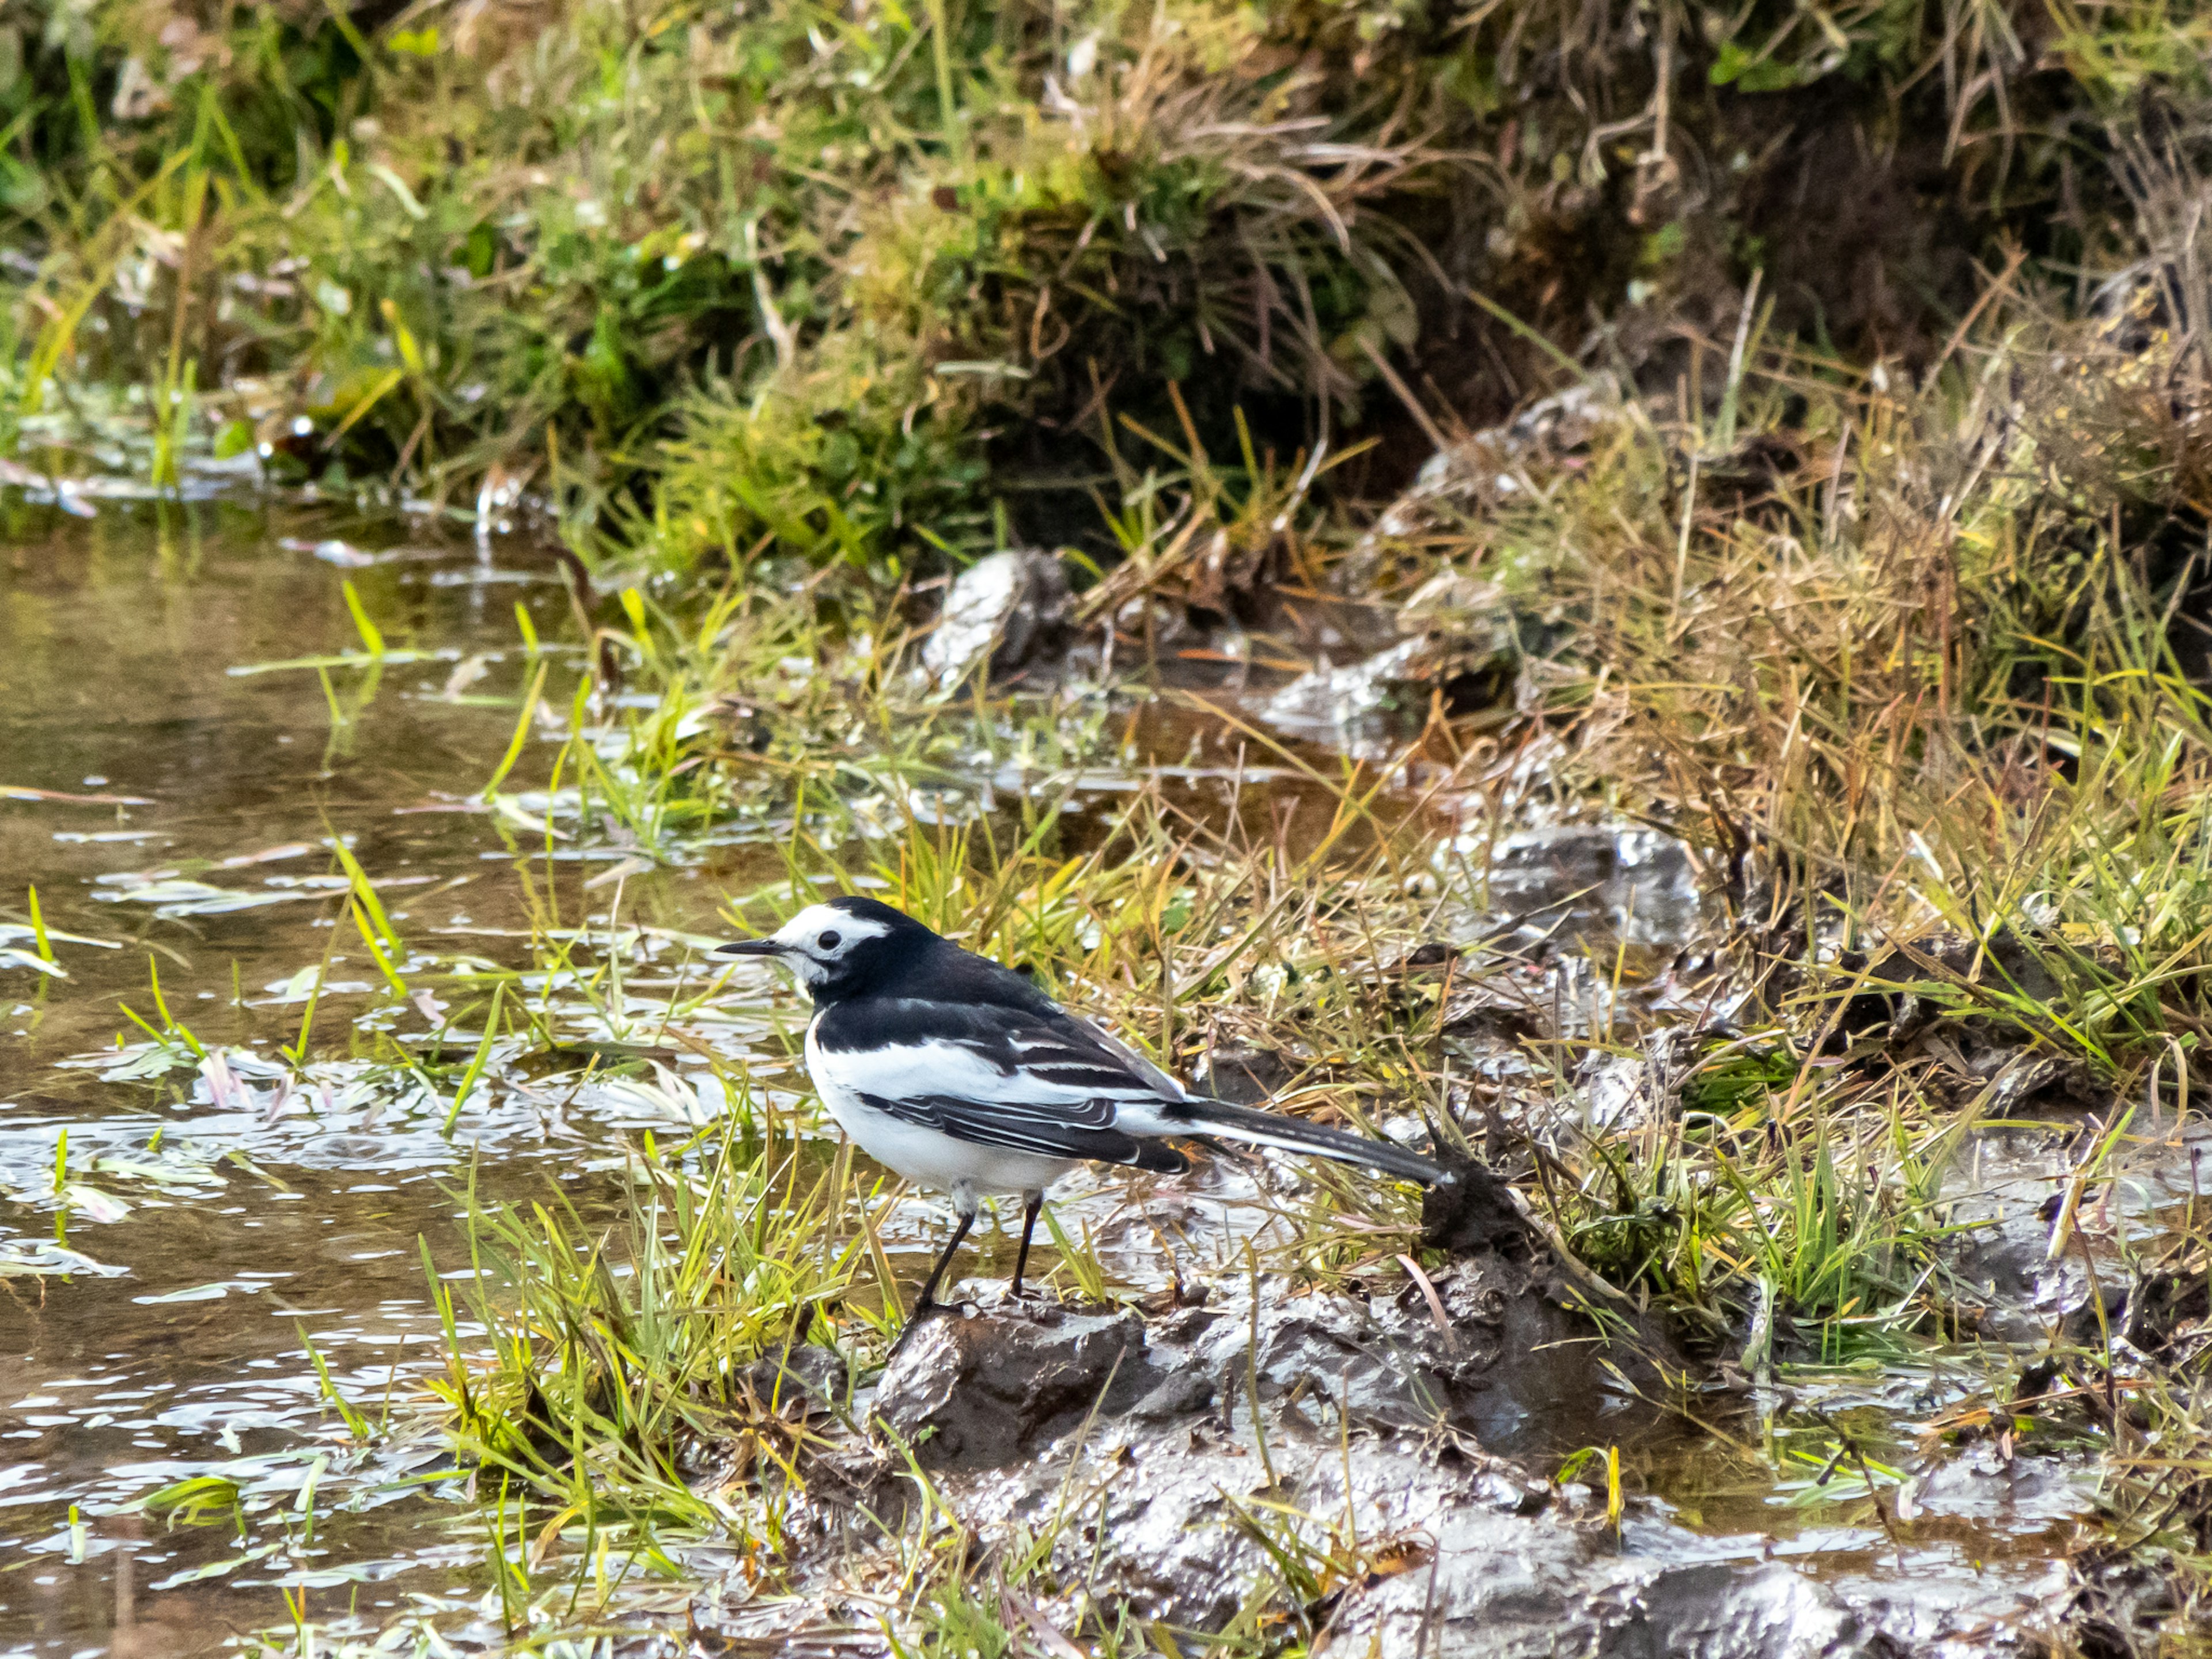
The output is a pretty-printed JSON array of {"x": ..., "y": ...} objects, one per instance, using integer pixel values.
[{"x": 1291, "y": 1134}]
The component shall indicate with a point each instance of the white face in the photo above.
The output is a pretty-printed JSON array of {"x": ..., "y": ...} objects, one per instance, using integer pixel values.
[{"x": 819, "y": 938}]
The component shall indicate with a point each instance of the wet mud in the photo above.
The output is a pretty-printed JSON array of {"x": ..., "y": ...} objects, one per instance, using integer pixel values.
[{"x": 1406, "y": 1439}]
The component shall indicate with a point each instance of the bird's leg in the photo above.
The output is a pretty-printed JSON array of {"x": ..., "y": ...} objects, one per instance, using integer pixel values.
[
  {"x": 1035, "y": 1202},
  {"x": 927, "y": 1299},
  {"x": 965, "y": 1206}
]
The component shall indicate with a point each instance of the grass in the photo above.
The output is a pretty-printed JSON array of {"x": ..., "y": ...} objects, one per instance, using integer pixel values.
[
  {"x": 875, "y": 289},
  {"x": 608, "y": 1405},
  {"x": 629, "y": 1355},
  {"x": 1872, "y": 570},
  {"x": 1940, "y": 756},
  {"x": 1944, "y": 824},
  {"x": 605, "y": 1390}
]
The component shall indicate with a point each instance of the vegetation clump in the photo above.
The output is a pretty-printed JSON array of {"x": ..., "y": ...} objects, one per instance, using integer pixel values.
[{"x": 881, "y": 286}]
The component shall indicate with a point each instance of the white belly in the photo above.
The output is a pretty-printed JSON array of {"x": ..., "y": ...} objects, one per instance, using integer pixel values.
[{"x": 926, "y": 1155}]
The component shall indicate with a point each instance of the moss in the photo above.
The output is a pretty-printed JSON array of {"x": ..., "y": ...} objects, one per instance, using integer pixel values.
[{"x": 849, "y": 455}]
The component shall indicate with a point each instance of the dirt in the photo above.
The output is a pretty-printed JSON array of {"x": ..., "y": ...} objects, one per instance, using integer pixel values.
[
  {"x": 1430, "y": 1433},
  {"x": 1510, "y": 1350}
]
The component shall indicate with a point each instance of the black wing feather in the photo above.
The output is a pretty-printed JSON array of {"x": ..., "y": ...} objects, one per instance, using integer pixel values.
[{"x": 1054, "y": 1132}]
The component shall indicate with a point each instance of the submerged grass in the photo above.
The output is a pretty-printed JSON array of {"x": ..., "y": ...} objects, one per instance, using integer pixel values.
[{"x": 624, "y": 1362}]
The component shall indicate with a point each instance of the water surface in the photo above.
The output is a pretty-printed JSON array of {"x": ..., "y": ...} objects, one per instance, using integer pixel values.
[{"x": 151, "y": 1309}]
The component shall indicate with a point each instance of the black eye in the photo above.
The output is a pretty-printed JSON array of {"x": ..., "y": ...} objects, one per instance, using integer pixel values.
[{"x": 829, "y": 941}]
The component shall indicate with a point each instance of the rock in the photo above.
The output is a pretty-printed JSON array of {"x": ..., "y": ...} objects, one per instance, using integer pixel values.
[
  {"x": 986, "y": 1389},
  {"x": 1463, "y": 637},
  {"x": 1004, "y": 611},
  {"x": 1500, "y": 464},
  {"x": 1463, "y": 646},
  {"x": 1466, "y": 607},
  {"x": 1469, "y": 642},
  {"x": 1151, "y": 620},
  {"x": 1327, "y": 701}
]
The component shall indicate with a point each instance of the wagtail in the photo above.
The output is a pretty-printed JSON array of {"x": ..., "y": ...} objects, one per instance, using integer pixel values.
[{"x": 959, "y": 1075}]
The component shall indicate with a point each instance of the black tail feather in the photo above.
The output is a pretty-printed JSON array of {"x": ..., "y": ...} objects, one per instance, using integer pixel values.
[{"x": 1292, "y": 1135}]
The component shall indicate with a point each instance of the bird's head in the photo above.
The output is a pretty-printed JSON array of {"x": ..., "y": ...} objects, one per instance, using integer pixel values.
[{"x": 842, "y": 946}]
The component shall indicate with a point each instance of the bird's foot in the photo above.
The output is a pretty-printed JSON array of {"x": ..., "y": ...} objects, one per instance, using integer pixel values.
[
  {"x": 922, "y": 1314},
  {"x": 1032, "y": 1298}
]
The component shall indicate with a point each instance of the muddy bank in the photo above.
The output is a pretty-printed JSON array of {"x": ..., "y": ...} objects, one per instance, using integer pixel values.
[{"x": 1176, "y": 1457}]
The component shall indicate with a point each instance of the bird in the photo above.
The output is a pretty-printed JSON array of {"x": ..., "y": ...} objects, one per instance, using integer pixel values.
[{"x": 960, "y": 1075}]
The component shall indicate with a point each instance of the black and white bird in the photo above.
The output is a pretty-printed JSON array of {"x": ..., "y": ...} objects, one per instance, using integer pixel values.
[{"x": 961, "y": 1075}]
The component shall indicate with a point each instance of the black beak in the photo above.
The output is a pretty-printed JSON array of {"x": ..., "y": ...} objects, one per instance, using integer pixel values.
[{"x": 749, "y": 947}]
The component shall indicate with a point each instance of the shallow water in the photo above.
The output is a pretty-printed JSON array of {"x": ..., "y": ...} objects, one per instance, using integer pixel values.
[
  {"x": 173, "y": 1227},
  {"x": 151, "y": 1312}
]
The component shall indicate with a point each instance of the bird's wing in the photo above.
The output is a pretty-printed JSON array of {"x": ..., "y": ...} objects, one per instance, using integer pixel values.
[
  {"x": 1164, "y": 1087},
  {"x": 995, "y": 1075},
  {"x": 1048, "y": 1135}
]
